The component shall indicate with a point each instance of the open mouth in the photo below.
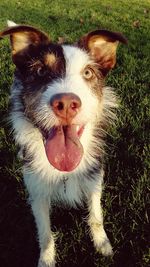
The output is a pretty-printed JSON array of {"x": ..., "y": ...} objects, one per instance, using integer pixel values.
[{"x": 63, "y": 147}]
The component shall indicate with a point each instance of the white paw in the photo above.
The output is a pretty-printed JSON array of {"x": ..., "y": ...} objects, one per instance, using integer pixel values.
[
  {"x": 105, "y": 248},
  {"x": 101, "y": 241},
  {"x": 47, "y": 255},
  {"x": 44, "y": 264}
]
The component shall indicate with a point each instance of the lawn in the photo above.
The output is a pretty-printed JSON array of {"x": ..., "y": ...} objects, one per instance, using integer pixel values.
[{"x": 125, "y": 197}]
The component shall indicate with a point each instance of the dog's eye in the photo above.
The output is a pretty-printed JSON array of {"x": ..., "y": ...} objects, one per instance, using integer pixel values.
[
  {"x": 41, "y": 71},
  {"x": 88, "y": 73}
]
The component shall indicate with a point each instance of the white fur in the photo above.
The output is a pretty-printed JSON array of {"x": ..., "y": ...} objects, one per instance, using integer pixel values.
[
  {"x": 10, "y": 23},
  {"x": 46, "y": 184}
]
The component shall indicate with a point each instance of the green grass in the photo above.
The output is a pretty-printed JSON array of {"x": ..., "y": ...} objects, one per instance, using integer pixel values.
[{"x": 125, "y": 197}]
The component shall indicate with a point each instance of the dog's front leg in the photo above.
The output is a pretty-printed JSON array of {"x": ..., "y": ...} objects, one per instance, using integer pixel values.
[
  {"x": 95, "y": 221},
  {"x": 40, "y": 208}
]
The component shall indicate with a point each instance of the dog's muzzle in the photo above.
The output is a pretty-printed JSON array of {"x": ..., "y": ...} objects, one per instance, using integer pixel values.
[{"x": 63, "y": 147}]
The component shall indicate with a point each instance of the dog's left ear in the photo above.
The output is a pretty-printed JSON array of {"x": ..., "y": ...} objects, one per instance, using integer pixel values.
[
  {"x": 23, "y": 38},
  {"x": 102, "y": 46}
]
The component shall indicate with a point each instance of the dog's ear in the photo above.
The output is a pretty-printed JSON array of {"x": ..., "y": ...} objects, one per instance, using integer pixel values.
[
  {"x": 102, "y": 46},
  {"x": 22, "y": 39}
]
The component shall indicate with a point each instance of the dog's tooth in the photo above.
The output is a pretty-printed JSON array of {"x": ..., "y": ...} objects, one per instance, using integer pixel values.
[{"x": 78, "y": 128}]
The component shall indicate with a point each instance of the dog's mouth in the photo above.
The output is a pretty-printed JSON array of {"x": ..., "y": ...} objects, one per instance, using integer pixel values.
[{"x": 63, "y": 147}]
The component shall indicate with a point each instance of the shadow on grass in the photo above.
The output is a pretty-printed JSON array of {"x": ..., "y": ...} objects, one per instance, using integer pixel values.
[{"x": 18, "y": 246}]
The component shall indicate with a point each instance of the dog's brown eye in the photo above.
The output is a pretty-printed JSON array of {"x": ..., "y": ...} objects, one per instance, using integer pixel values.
[
  {"x": 41, "y": 71},
  {"x": 88, "y": 74}
]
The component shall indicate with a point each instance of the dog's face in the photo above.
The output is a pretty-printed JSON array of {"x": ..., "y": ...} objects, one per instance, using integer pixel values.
[{"x": 62, "y": 91}]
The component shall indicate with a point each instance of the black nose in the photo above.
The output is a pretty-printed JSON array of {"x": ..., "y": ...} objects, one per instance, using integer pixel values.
[{"x": 65, "y": 105}]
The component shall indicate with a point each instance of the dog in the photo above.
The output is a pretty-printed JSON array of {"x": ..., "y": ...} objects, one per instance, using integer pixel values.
[{"x": 61, "y": 109}]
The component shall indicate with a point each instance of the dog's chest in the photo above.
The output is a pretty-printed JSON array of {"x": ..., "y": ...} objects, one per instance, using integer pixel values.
[{"x": 69, "y": 190}]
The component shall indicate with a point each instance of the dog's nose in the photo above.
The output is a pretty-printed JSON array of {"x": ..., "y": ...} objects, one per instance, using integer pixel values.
[{"x": 65, "y": 105}]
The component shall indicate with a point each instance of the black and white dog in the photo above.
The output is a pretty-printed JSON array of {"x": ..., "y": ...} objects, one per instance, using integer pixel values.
[{"x": 60, "y": 111}]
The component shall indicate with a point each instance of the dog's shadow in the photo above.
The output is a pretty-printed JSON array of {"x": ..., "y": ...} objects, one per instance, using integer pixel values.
[{"x": 18, "y": 236}]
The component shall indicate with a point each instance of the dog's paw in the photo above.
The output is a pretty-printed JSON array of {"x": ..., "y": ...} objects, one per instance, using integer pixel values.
[
  {"x": 100, "y": 239},
  {"x": 105, "y": 248},
  {"x": 42, "y": 263}
]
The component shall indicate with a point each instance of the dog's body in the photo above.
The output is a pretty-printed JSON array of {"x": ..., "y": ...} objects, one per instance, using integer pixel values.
[{"x": 60, "y": 110}]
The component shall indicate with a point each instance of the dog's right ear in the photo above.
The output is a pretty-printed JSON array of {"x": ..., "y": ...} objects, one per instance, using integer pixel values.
[
  {"x": 102, "y": 47},
  {"x": 22, "y": 39}
]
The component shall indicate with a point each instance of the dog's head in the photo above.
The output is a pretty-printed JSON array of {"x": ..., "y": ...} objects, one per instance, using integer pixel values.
[{"x": 62, "y": 88}]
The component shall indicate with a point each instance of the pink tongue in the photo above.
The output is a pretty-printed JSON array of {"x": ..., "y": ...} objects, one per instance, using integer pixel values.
[{"x": 63, "y": 148}]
